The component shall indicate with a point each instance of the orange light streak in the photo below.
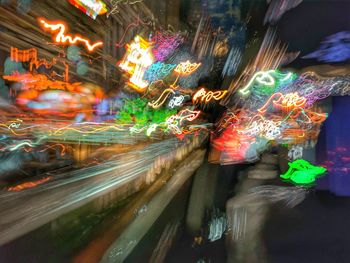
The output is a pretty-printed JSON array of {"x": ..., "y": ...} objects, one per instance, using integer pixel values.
[
  {"x": 28, "y": 185},
  {"x": 286, "y": 102},
  {"x": 162, "y": 98},
  {"x": 31, "y": 56},
  {"x": 186, "y": 68},
  {"x": 63, "y": 148},
  {"x": 62, "y": 38},
  {"x": 41, "y": 82},
  {"x": 12, "y": 125},
  {"x": 206, "y": 96},
  {"x": 175, "y": 121}
]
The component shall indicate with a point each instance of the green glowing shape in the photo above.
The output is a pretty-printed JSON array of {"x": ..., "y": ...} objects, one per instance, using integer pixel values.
[
  {"x": 136, "y": 111},
  {"x": 302, "y": 172},
  {"x": 267, "y": 82}
]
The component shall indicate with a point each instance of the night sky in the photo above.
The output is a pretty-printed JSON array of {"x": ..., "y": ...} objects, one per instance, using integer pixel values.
[
  {"x": 302, "y": 28},
  {"x": 305, "y": 26}
]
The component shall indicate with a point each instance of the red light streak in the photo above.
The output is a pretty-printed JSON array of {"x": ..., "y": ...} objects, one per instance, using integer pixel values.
[
  {"x": 63, "y": 148},
  {"x": 28, "y": 185},
  {"x": 121, "y": 42}
]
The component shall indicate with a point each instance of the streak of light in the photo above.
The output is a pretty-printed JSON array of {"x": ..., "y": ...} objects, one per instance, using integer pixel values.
[
  {"x": 23, "y": 143},
  {"x": 121, "y": 42},
  {"x": 186, "y": 68},
  {"x": 62, "y": 130},
  {"x": 207, "y": 96},
  {"x": 174, "y": 122},
  {"x": 262, "y": 77},
  {"x": 63, "y": 148},
  {"x": 82, "y": 186},
  {"x": 286, "y": 102},
  {"x": 162, "y": 98},
  {"x": 62, "y": 38},
  {"x": 115, "y": 4},
  {"x": 28, "y": 185}
]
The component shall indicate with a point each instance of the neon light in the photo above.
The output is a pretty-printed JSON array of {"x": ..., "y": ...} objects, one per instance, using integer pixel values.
[
  {"x": 234, "y": 145},
  {"x": 63, "y": 39},
  {"x": 174, "y": 122},
  {"x": 302, "y": 172},
  {"x": 15, "y": 124},
  {"x": 12, "y": 125},
  {"x": 162, "y": 98},
  {"x": 25, "y": 143},
  {"x": 41, "y": 82},
  {"x": 115, "y": 4},
  {"x": 290, "y": 101},
  {"x": 286, "y": 102},
  {"x": 158, "y": 71},
  {"x": 31, "y": 56},
  {"x": 267, "y": 128},
  {"x": 136, "y": 61},
  {"x": 187, "y": 115},
  {"x": 92, "y": 8},
  {"x": 199, "y": 94},
  {"x": 26, "y": 55},
  {"x": 138, "y": 22},
  {"x": 134, "y": 129},
  {"x": 165, "y": 44},
  {"x": 63, "y": 130},
  {"x": 151, "y": 129},
  {"x": 268, "y": 81},
  {"x": 316, "y": 117},
  {"x": 207, "y": 96},
  {"x": 176, "y": 101},
  {"x": 262, "y": 77},
  {"x": 186, "y": 68},
  {"x": 288, "y": 76}
]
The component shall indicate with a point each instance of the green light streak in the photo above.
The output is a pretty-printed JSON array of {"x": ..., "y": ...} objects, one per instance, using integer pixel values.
[{"x": 267, "y": 82}]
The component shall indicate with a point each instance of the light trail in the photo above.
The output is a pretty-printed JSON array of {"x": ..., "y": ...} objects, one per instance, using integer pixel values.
[
  {"x": 62, "y": 38},
  {"x": 57, "y": 197}
]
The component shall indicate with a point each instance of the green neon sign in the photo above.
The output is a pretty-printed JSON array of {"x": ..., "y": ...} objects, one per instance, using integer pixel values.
[{"x": 302, "y": 172}]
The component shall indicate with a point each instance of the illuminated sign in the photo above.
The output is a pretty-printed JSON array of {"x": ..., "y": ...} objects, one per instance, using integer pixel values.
[
  {"x": 137, "y": 60},
  {"x": 31, "y": 56},
  {"x": 302, "y": 172},
  {"x": 174, "y": 122},
  {"x": 206, "y": 96},
  {"x": 176, "y": 101},
  {"x": 270, "y": 78},
  {"x": 92, "y": 8},
  {"x": 262, "y": 77},
  {"x": 286, "y": 102},
  {"x": 186, "y": 68}
]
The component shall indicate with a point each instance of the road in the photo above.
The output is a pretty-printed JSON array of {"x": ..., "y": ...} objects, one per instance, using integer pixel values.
[{"x": 24, "y": 211}]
